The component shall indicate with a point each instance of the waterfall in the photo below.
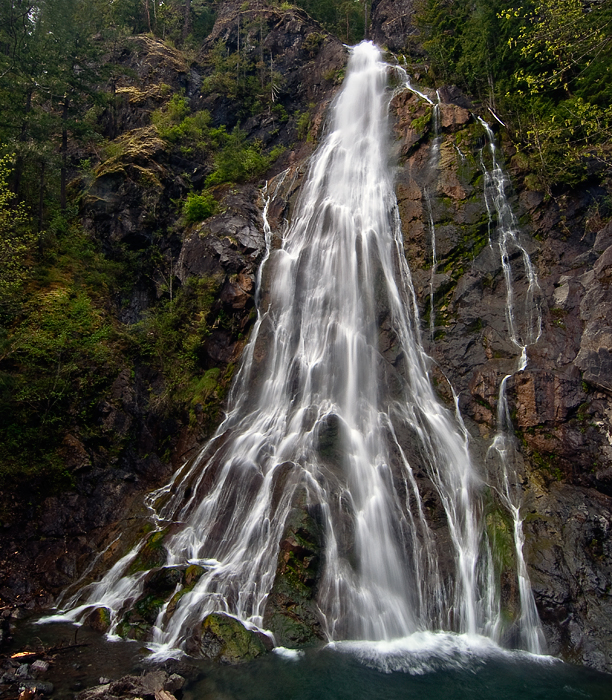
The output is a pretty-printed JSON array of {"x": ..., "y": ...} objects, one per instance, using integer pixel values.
[
  {"x": 433, "y": 165},
  {"x": 523, "y": 331},
  {"x": 333, "y": 298}
]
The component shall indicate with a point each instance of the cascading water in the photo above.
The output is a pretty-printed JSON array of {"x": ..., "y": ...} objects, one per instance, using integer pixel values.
[
  {"x": 314, "y": 368},
  {"x": 434, "y": 162},
  {"x": 524, "y": 329}
]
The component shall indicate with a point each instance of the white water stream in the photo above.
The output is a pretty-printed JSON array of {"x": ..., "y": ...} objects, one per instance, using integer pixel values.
[
  {"x": 313, "y": 376},
  {"x": 434, "y": 163},
  {"x": 524, "y": 328}
]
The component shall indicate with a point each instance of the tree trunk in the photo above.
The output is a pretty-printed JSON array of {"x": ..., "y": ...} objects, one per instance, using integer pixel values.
[
  {"x": 41, "y": 196},
  {"x": 23, "y": 133},
  {"x": 186, "y": 20},
  {"x": 148, "y": 14},
  {"x": 63, "y": 171}
]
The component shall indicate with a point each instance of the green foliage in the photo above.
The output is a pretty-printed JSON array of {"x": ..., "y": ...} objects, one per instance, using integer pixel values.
[
  {"x": 171, "y": 338},
  {"x": 303, "y": 123},
  {"x": 199, "y": 207},
  {"x": 239, "y": 160},
  {"x": 544, "y": 67},
  {"x": 16, "y": 238},
  {"x": 53, "y": 363},
  {"x": 344, "y": 18},
  {"x": 247, "y": 77}
]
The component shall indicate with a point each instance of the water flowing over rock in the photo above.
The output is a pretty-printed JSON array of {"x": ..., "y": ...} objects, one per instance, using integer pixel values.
[{"x": 335, "y": 454}]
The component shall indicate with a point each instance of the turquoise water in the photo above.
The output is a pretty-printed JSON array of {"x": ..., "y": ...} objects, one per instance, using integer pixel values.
[{"x": 329, "y": 674}]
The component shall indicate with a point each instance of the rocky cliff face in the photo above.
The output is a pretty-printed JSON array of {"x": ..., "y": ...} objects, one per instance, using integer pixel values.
[
  {"x": 128, "y": 199},
  {"x": 560, "y": 403}
]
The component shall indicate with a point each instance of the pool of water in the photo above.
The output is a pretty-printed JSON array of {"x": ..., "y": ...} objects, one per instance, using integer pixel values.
[
  {"x": 424, "y": 666},
  {"x": 442, "y": 668}
]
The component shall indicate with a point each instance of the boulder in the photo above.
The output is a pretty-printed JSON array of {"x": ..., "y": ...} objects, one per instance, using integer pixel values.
[{"x": 226, "y": 640}]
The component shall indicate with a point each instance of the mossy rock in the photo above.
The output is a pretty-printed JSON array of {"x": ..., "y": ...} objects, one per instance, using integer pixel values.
[
  {"x": 163, "y": 582},
  {"x": 193, "y": 574},
  {"x": 152, "y": 555},
  {"x": 98, "y": 619},
  {"x": 191, "y": 577},
  {"x": 133, "y": 626},
  {"x": 225, "y": 640},
  {"x": 294, "y": 625},
  {"x": 291, "y": 613},
  {"x": 137, "y": 622}
]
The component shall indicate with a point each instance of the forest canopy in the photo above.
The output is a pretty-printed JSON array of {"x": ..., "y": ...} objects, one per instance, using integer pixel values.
[{"x": 544, "y": 66}]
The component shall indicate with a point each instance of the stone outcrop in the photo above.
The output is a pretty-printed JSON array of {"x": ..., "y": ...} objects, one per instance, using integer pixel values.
[
  {"x": 227, "y": 641},
  {"x": 391, "y": 23},
  {"x": 291, "y": 612},
  {"x": 561, "y": 402}
]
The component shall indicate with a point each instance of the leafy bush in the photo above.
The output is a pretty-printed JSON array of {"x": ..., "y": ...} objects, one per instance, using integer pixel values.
[
  {"x": 16, "y": 238},
  {"x": 177, "y": 124},
  {"x": 54, "y": 363},
  {"x": 199, "y": 207},
  {"x": 239, "y": 160}
]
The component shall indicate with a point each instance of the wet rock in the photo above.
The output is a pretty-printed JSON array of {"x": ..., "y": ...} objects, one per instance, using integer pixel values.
[
  {"x": 226, "y": 640},
  {"x": 149, "y": 686},
  {"x": 291, "y": 611},
  {"x": 230, "y": 243},
  {"x": 543, "y": 397},
  {"x": 43, "y": 687},
  {"x": 98, "y": 619},
  {"x": 174, "y": 683},
  {"x": 452, "y": 116},
  {"x": 568, "y": 550},
  {"x": 39, "y": 666},
  {"x": 23, "y": 671},
  {"x": 237, "y": 291},
  {"x": 452, "y": 95}
]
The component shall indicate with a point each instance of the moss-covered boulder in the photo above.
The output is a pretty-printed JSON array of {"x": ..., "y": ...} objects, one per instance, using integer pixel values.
[
  {"x": 291, "y": 613},
  {"x": 133, "y": 626},
  {"x": 98, "y": 619},
  {"x": 225, "y": 640}
]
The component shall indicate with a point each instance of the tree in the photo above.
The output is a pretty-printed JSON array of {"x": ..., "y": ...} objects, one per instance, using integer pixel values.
[
  {"x": 562, "y": 39},
  {"x": 16, "y": 238}
]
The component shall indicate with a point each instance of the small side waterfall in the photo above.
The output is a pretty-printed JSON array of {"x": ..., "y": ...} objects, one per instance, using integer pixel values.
[
  {"x": 524, "y": 328},
  {"x": 328, "y": 412},
  {"x": 434, "y": 162}
]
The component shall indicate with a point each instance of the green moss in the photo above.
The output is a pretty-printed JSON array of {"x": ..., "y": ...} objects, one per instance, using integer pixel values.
[
  {"x": 499, "y": 529},
  {"x": 152, "y": 554},
  {"x": 229, "y": 641},
  {"x": 548, "y": 463},
  {"x": 149, "y": 607},
  {"x": 99, "y": 619},
  {"x": 422, "y": 123}
]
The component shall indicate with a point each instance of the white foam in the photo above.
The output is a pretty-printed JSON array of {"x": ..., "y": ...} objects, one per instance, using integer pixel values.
[
  {"x": 430, "y": 652},
  {"x": 289, "y": 654}
]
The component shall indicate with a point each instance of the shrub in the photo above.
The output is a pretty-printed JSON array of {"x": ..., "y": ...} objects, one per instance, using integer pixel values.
[{"x": 199, "y": 207}]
